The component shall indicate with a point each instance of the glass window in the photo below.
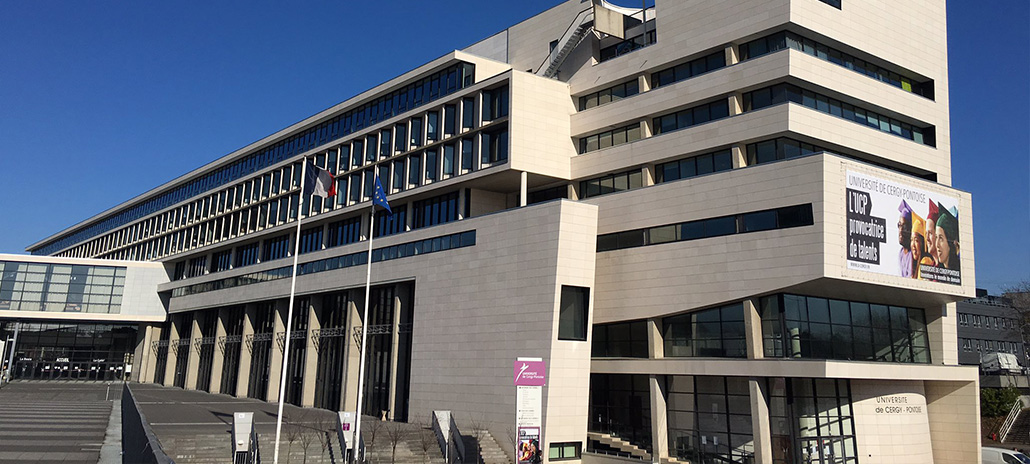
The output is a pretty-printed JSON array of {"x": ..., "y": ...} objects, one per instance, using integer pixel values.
[{"x": 573, "y": 313}]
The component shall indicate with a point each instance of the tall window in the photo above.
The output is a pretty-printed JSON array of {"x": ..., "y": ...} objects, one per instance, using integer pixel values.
[
  {"x": 710, "y": 419},
  {"x": 311, "y": 240},
  {"x": 246, "y": 255},
  {"x": 436, "y": 210},
  {"x": 344, "y": 232},
  {"x": 573, "y": 313},
  {"x": 495, "y": 146},
  {"x": 495, "y": 103},
  {"x": 276, "y": 248}
]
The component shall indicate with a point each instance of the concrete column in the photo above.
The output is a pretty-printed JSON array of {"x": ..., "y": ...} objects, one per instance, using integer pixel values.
[
  {"x": 146, "y": 361},
  {"x": 655, "y": 341},
  {"x": 462, "y": 199},
  {"x": 573, "y": 194},
  {"x": 659, "y": 419},
  {"x": 275, "y": 367},
  {"x": 648, "y": 174},
  {"x": 523, "y": 188},
  {"x": 243, "y": 377},
  {"x": 172, "y": 358},
  {"x": 739, "y": 153},
  {"x": 760, "y": 425},
  {"x": 395, "y": 344},
  {"x": 219, "y": 358},
  {"x": 310, "y": 355},
  {"x": 942, "y": 331},
  {"x": 646, "y": 129},
  {"x": 193, "y": 366},
  {"x": 736, "y": 103},
  {"x": 732, "y": 55},
  {"x": 644, "y": 82},
  {"x": 350, "y": 381},
  {"x": 753, "y": 330}
]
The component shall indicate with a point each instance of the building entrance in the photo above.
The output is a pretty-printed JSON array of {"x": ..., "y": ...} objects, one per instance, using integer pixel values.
[{"x": 85, "y": 351}]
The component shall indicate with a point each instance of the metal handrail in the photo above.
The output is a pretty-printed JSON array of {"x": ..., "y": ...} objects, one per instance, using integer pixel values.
[
  {"x": 1010, "y": 420},
  {"x": 576, "y": 23}
]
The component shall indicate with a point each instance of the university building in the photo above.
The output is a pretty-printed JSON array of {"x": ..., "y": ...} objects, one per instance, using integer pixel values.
[{"x": 728, "y": 229}]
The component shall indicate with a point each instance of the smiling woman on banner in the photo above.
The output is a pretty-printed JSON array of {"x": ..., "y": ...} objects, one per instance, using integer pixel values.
[{"x": 947, "y": 240}]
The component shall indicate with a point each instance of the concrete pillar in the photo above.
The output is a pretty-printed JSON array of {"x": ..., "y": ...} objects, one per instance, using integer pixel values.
[
  {"x": 275, "y": 367},
  {"x": 243, "y": 377},
  {"x": 350, "y": 380},
  {"x": 193, "y": 366},
  {"x": 172, "y": 358},
  {"x": 395, "y": 344},
  {"x": 219, "y": 359},
  {"x": 648, "y": 174},
  {"x": 655, "y": 341},
  {"x": 732, "y": 55},
  {"x": 942, "y": 331},
  {"x": 573, "y": 194},
  {"x": 739, "y": 154},
  {"x": 659, "y": 419},
  {"x": 644, "y": 82},
  {"x": 760, "y": 424},
  {"x": 523, "y": 188},
  {"x": 462, "y": 199},
  {"x": 646, "y": 128},
  {"x": 146, "y": 361},
  {"x": 736, "y": 103},
  {"x": 310, "y": 355},
  {"x": 753, "y": 330}
]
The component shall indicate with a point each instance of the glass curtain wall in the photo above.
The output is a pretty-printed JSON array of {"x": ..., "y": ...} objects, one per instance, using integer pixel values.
[
  {"x": 230, "y": 345},
  {"x": 710, "y": 419},
  {"x": 182, "y": 349},
  {"x": 208, "y": 323},
  {"x": 260, "y": 346},
  {"x": 61, "y": 351},
  {"x": 620, "y": 406},
  {"x": 812, "y": 421},
  {"x": 331, "y": 344}
]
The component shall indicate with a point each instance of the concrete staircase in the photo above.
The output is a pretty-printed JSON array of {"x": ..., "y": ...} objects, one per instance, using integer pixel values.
[
  {"x": 491, "y": 452},
  {"x": 306, "y": 448},
  {"x": 1020, "y": 432},
  {"x": 621, "y": 445},
  {"x": 673, "y": 461}
]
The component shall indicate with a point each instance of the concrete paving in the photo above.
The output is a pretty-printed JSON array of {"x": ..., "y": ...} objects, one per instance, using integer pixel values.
[{"x": 45, "y": 422}]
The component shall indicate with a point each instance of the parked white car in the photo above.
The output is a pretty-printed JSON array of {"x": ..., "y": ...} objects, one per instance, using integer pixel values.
[{"x": 1002, "y": 456}]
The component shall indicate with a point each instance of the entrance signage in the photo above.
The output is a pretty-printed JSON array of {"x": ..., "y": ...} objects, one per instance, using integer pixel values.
[{"x": 529, "y": 379}]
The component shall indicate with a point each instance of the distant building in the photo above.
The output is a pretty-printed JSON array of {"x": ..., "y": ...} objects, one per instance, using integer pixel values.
[{"x": 989, "y": 324}]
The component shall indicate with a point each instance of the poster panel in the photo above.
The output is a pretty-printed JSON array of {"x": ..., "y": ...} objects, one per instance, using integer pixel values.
[
  {"x": 529, "y": 445},
  {"x": 901, "y": 230}
]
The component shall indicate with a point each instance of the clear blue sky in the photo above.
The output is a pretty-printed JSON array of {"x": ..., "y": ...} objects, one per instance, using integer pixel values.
[{"x": 102, "y": 100}]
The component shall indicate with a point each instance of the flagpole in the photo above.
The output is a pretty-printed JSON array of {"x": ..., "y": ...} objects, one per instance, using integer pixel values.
[
  {"x": 289, "y": 313},
  {"x": 364, "y": 333}
]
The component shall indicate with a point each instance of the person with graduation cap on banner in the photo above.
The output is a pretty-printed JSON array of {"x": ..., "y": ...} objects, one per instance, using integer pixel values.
[
  {"x": 919, "y": 252},
  {"x": 946, "y": 237},
  {"x": 931, "y": 229},
  {"x": 905, "y": 239}
]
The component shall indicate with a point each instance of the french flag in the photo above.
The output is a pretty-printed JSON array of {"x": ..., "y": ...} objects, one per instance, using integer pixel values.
[{"x": 318, "y": 181}]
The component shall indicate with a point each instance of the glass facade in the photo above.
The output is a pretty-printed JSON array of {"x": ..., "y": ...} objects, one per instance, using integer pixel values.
[
  {"x": 811, "y": 421},
  {"x": 620, "y": 406},
  {"x": 61, "y": 287},
  {"x": 620, "y": 340},
  {"x": 79, "y": 351},
  {"x": 710, "y": 419},
  {"x": 716, "y": 332},
  {"x": 796, "y": 326}
]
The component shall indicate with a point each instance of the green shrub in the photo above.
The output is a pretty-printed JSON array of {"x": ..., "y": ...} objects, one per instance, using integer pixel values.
[{"x": 996, "y": 402}]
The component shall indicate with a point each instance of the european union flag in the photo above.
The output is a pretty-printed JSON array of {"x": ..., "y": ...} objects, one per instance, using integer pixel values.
[{"x": 379, "y": 197}]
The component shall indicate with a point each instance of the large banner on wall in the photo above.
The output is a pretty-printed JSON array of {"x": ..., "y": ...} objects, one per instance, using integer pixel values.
[{"x": 900, "y": 230}]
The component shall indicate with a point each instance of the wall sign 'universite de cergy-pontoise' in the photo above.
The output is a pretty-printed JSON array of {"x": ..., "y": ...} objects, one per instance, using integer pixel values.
[{"x": 900, "y": 230}]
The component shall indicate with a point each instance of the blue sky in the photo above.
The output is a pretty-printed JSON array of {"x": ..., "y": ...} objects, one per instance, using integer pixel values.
[{"x": 101, "y": 100}]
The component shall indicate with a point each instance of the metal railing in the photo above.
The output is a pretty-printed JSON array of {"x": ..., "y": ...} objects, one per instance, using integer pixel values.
[
  {"x": 1010, "y": 420},
  {"x": 451, "y": 443}
]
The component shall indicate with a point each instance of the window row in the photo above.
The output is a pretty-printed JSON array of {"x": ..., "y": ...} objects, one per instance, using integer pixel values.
[
  {"x": 783, "y": 93},
  {"x": 629, "y": 45},
  {"x": 692, "y": 116},
  {"x": 689, "y": 69},
  {"x": 785, "y": 40},
  {"x": 612, "y": 183},
  {"x": 818, "y": 328},
  {"x": 711, "y": 333},
  {"x": 780, "y": 218},
  {"x": 707, "y": 163},
  {"x": 404, "y": 250},
  {"x": 606, "y": 139},
  {"x": 620, "y": 340},
  {"x": 273, "y": 199},
  {"x": 611, "y": 94},
  {"x": 987, "y": 322},
  {"x": 990, "y": 346},
  {"x": 440, "y": 84}
]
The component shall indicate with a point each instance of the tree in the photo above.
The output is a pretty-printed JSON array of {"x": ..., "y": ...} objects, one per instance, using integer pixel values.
[
  {"x": 426, "y": 437},
  {"x": 1018, "y": 297},
  {"x": 995, "y": 402},
  {"x": 325, "y": 425},
  {"x": 478, "y": 429},
  {"x": 394, "y": 435}
]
